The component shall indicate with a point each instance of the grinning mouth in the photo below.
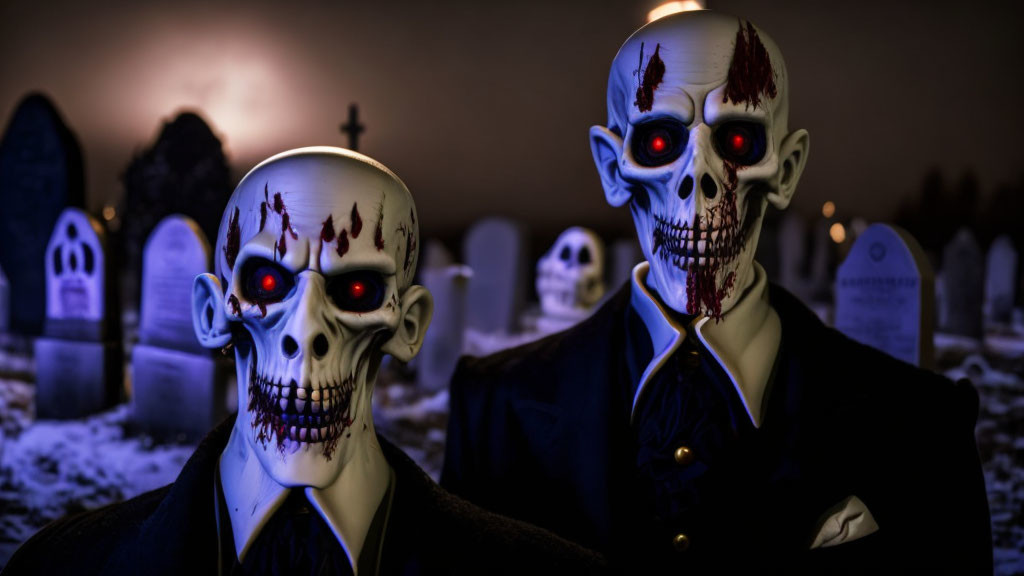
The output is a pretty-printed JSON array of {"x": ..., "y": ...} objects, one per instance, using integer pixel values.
[
  {"x": 314, "y": 415},
  {"x": 684, "y": 245}
]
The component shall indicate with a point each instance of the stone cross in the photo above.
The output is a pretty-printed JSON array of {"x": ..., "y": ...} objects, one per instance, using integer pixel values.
[{"x": 353, "y": 128}]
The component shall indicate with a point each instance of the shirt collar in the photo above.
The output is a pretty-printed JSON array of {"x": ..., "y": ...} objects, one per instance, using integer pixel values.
[
  {"x": 348, "y": 506},
  {"x": 744, "y": 342}
]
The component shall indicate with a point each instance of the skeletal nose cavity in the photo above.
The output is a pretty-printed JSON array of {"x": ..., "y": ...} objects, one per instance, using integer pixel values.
[
  {"x": 289, "y": 347},
  {"x": 708, "y": 186},
  {"x": 686, "y": 187},
  {"x": 320, "y": 346}
]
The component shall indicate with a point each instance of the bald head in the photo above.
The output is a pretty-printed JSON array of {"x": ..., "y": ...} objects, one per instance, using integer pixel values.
[{"x": 698, "y": 52}]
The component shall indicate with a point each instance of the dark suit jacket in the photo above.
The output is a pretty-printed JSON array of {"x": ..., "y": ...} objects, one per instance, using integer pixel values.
[
  {"x": 542, "y": 433},
  {"x": 172, "y": 531}
]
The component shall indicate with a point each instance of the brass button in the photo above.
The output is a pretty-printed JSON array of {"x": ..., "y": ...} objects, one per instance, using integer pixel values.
[
  {"x": 684, "y": 456},
  {"x": 681, "y": 542}
]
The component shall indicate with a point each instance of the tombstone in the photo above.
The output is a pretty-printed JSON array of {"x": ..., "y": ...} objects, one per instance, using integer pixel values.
[
  {"x": 443, "y": 343},
  {"x": 40, "y": 175},
  {"x": 885, "y": 294},
  {"x": 178, "y": 388},
  {"x": 495, "y": 250},
  {"x": 1000, "y": 280},
  {"x": 964, "y": 285},
  {"x": 434, "y": 255},
  {"x": 78, "y": 360},
  {"x": 625, "y": 255},
  {"x": 184, "y": 172},
  {"x": 793, "y": 254}
]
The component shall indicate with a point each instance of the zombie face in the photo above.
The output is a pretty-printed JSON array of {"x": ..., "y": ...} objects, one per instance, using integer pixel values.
[
  {"x": 314, "y": 259},
  {"x": 697, "y": 144}
]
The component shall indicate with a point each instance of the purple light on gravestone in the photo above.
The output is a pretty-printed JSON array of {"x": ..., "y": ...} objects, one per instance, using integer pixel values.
[{"x": 885, "y": 293}]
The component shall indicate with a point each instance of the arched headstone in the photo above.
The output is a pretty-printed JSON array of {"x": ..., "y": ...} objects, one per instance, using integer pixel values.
[
  {"x": 40, "y": 175},
  {"x": 177, "y": 388},
  {"x": 885, "y": 294},
  {"x": 78, "y": 361}
]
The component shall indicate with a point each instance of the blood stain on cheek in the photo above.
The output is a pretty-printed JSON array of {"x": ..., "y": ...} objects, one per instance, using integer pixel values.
[{"x": 649, "y": 80}]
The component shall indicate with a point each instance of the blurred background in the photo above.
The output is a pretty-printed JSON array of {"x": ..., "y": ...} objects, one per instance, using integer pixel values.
[{"x": 136, "y": 111}]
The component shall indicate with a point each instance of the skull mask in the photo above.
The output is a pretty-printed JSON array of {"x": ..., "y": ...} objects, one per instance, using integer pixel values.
[
  {"x": 570, "y": 276},
  {"x": 697, "y": 144},
  {"x": 315, "y": 254}
]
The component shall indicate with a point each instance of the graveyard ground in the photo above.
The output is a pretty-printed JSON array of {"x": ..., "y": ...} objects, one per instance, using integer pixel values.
[{"x": 49, "y": 468}]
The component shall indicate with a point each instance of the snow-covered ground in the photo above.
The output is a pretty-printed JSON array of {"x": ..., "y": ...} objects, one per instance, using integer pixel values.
[{"x": 49, "y": 468}]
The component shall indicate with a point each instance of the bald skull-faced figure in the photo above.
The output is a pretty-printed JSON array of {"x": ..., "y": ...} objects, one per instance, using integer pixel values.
[
  {"x": 315, "y": 258},
  {"x": 703, "y": 420},
  {"x": 697, "y": 144}
]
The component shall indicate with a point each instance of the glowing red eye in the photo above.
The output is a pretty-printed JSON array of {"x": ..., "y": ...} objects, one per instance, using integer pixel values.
[
  {"x": 738, "y": 142},
  {"x": 268, "y": 282},
  {"x": 356, "y": 290},
  {"x": 658, "y": 144}
]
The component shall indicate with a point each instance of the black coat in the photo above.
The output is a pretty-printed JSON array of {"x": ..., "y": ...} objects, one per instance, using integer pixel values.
[
  {"x": 542, "y": 433},
  {"x": 172, "y": 531}
]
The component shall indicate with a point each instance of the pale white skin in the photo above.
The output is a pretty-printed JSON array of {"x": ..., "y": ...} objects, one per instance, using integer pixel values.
[
  {"x": 345, "y": 480},
  {"x": 566, "y": 287},
  {"x": 697, "y": 49}
]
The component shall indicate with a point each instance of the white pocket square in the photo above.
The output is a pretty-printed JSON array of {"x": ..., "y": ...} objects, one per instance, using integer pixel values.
[{"x": 844, "y": 522}]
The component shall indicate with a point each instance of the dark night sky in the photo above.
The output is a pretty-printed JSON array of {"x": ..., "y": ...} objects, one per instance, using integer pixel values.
[{"x": 483, "y": 108}]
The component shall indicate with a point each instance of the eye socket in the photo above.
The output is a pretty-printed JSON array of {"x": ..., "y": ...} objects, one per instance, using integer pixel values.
[
  {"x": 357, "y": 291},
  {"x": 658, "y": 142},
  {"x": 265, "y": 281},
  {"x": 741, "y": 143}
]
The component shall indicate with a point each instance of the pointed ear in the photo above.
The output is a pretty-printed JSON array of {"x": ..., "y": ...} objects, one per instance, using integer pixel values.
[
  {"x": 606, "y": 146},
  {"x": 414, "y": 317},
  {"x": 792, "y": 159},
  {"x": 208, "y": 318}
]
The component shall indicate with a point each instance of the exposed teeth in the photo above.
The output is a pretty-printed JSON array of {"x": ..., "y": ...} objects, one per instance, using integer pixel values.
[
  {"x": 315, "y": 432},
  {"x": 315, "y": 407},
  {"x": 283, "y": 402},
  {"x": 300, "y": 405},
  {"x": 294, "y": 432},
  {"x": 316, "y": 395},
  {"x": 300, "y": 393},
  {"x": 302, "y": 433}
]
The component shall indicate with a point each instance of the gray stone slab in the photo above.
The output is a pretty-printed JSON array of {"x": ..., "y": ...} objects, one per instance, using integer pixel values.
[
  {"x": 184, "y": 172},
  {"x": 885, "y": 292},
  {"x": 40, "y": 175},
  {"x": 75, "y": 379},
  {"x": 176, "y": 394},
  {"x": 443, "y": 343},
  {"x": 963, "y": 285},
  {"x": 1001, "y": 280},
  {"x": 177, "y": 251},
  {"x": 496, "y": 250}
]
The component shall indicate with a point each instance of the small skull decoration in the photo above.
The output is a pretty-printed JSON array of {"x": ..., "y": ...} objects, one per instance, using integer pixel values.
[
  {"x": 570, "y": 276},
  {"x": 697, "y": 143},
  {"x": 315, "y": 256}
]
